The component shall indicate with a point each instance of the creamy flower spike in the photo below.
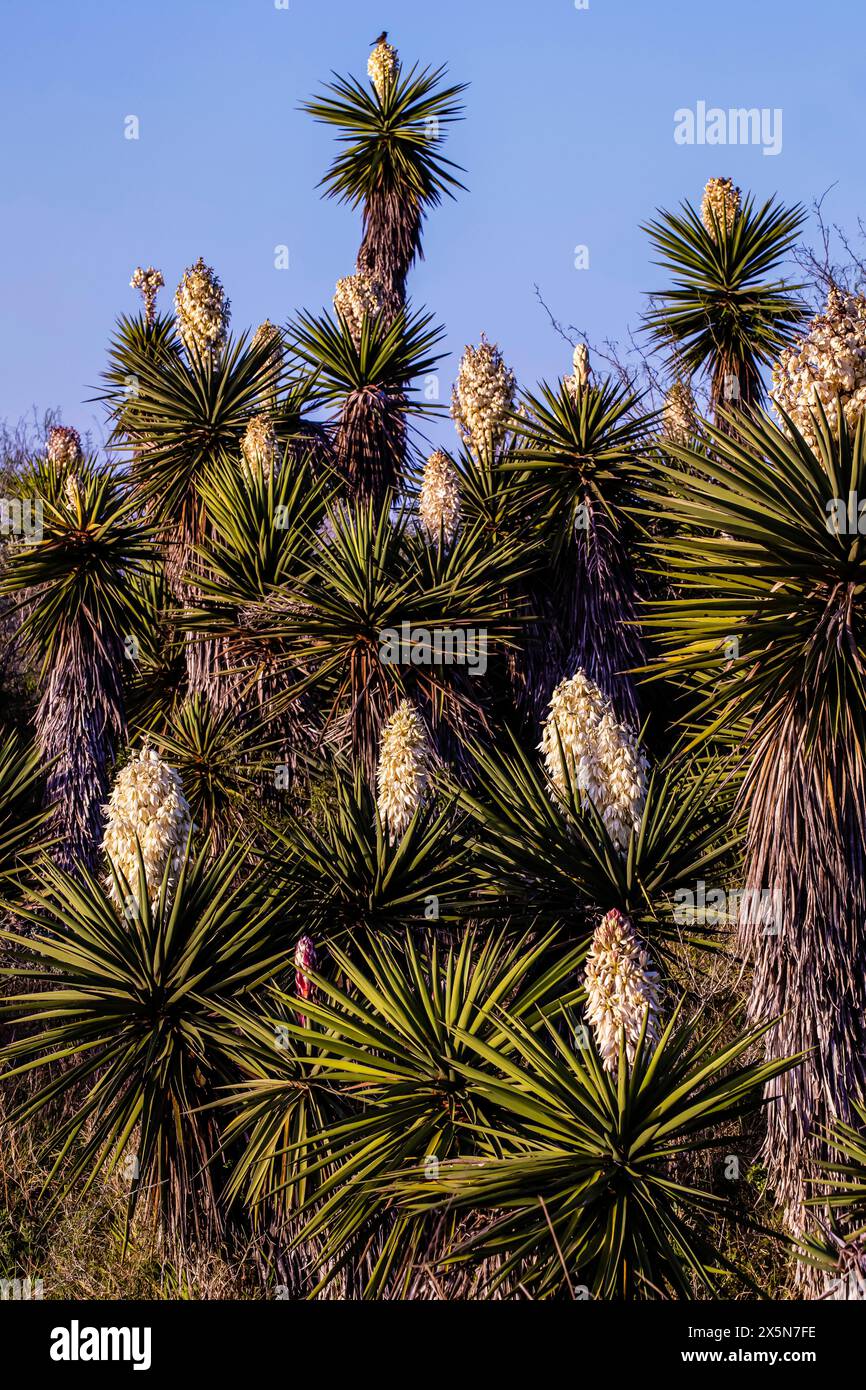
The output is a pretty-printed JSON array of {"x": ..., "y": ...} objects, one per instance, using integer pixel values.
[
  {"x": 439, "y": 502},
  {"x": 259, "y": 445},
  {"x": 64, "y": 446},
  {"x": 581, "y": 739},
  {"x": 581, "y": 374},
  {"x": 203, "y": 311},
  {"x": 404, "y": 769},
  {"x": 268, "y": 334},
  {"x": 360, "y": 296},
  {"x": 828, "y": 360},
  {"x": 482, "y": 400},
  {"x": 622, "y": 989},
  {"x": 722, "y": 198},
  {"x": 148, "y": 802},
  {"x": 679, "y": 416},
  {"x": 383, "y": 67},
  {"x": 148, "y": 282}
]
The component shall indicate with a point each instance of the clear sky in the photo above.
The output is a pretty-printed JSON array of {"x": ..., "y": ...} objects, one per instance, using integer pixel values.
[{"x": 569, "y": 140}]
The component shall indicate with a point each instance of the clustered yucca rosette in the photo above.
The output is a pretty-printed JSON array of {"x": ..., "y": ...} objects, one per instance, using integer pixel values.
[
  {"x": 383, "y": 67},
  {"x": 482, "y": 401},
  {"x": 148, "y": 282},
  {"x": 581, "y": 374},
  {"x": 582, "y": 741},
  {"x": 259, "y": 445},
  {"x": 827, "y": 361},
  {"x": 439, "y": 500},
  {"x": 147, "y": 802},
  {"x": 64, "y": 447},
  {"x": 404, "y": 768},
  {"x": 722, "y": 198},
  {"x": 622, "y": 990},
  {"x": 679, "y": 414},
  {"x": 202, "y": 309}
]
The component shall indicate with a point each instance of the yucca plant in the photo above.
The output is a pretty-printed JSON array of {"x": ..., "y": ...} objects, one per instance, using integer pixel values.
[
  {"x": 131, "y": 1003},
  {"x": 389, "y": 163},
  {"x": 724, "y": 316},
  {"x": 73, "y": 585},
  {"x": 579, "y": 1200},
  {"x": 575, "y": 451},
  {"x": 24, "y": 832},
  {"x": 838, "y": 1247},
  {"x": 369, "y": 584},
  {"x": 186, "y": 409},
  {"x": 373, "y": 383},
  {"x": 339, "y": 871},
  {"x": 544, "y": 853},
  {"x": 223, "y": 763},
  {"x": 155, "y": 668},
  {"x": 390, "y": 1037},
  {"x": 261, "y": 532},
  {"x": 767, "y": 620}
]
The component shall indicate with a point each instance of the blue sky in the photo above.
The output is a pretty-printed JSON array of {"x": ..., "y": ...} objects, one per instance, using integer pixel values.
[{"x": 569, "y": 140}]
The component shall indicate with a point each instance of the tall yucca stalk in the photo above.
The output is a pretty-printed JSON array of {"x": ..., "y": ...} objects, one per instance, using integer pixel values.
[
  {"x": 768, "y": 621},
  {"x": 390, "y": 163},
  {"x": 723, "y": 316},
  {"x": 182, "y": 413},
  {"x": 574, "y": 459},
  {"x": 74, "y": 588},
  {"x": 372, "y": 380}
]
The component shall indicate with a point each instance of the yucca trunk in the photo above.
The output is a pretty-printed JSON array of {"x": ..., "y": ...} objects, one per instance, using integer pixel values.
[
  {"x": 80, "y": 724},
  {"x": 806, "y": 845},
  {"x": 370, "y": 444},
  {"x": 586, "y": 609},
  {"x": 391, "y": 241}
]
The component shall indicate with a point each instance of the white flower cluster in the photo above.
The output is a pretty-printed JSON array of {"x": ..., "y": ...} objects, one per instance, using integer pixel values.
[
  {"x": 404, "y": 769},
  {"x": 828, "y": 360},
  {"x": 269, "y": 334},
  {"x": 147, "y": 801},
  {"x": 149, "y": 282},
  {"x": 679, "y": 416},
  {"x": 722, "y": 198},
  {"x": 383, "y": 67},
  {"x": 601, "y": 756},
  {"x": 359, "y": 296},
  {"x": 203, "y": 311},
  {"x": 582, "y": 371},
  {"x": 622, "y": 989},
  {"x": 439, "y": 502},
  {"x": 72, "y": 491},
  {"x": 483, "y": 398},
  {"x": 259, "y": 445},
  {"x": 64, "y": 447}
]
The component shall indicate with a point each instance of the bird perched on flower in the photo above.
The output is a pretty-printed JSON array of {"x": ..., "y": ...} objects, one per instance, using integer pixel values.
[
  {"x": 383, "y": 38},
  {"x": 383, "y": 66}
]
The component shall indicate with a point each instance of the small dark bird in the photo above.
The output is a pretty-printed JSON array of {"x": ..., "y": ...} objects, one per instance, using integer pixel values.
[{"x": 383, "y": 38}]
